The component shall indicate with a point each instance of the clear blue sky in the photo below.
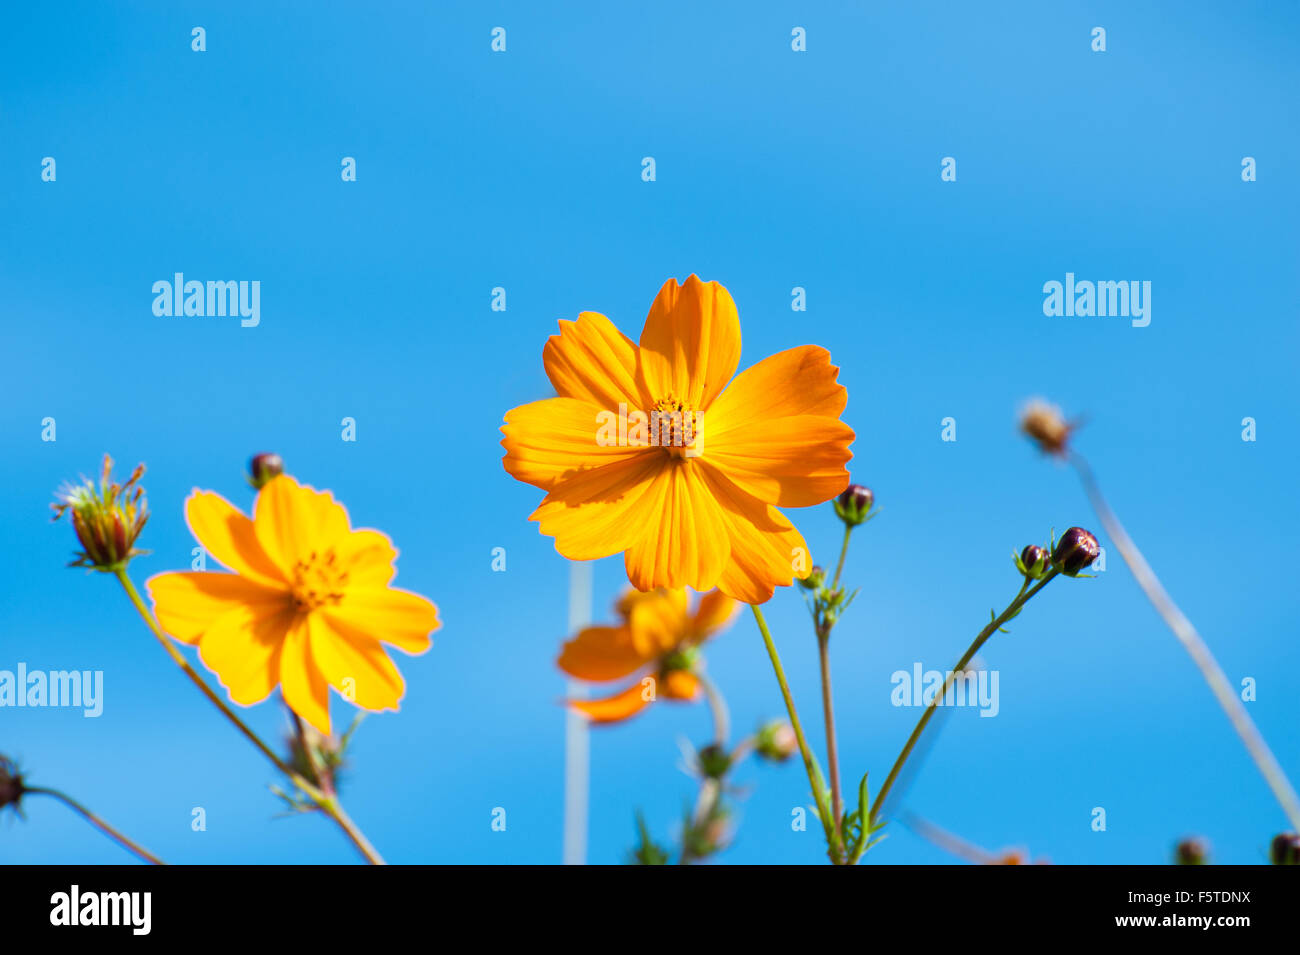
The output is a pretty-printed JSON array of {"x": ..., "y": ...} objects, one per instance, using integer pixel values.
[{"x": 775, "y": 169}]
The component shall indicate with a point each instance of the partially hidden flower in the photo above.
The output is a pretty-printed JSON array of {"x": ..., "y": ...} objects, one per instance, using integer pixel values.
[
  {"x": 308, "y": 607},
  {"x": 656, "y": 642},
  {"x": 107, "y": 520},
  {"x": 655, "y": 451}
]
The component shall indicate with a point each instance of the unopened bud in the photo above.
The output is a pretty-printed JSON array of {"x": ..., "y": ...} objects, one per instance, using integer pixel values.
[
  {"x": 776, "y": 741},
  {"x": 1192, "y": 851},
  {"x": 1034, "y": 561},
  {"x": 263, "y": 467},
  {"x": 854, "y": 504},
  {"x": 713, "y": 761},
  {"x": 815, "y": 580},
  {"x": 1285, "y": 849},
  {"x": 1075, "y": 550}
]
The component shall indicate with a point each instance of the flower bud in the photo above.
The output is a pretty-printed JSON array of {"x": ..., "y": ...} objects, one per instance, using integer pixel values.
[
  {"x": 1193, "y": 851},
  {"x": 1034, "y": 561},
  {"x": 263, "y": 467},
  {"x": 11, "y": 783},
  {"x": 853, "y": 504},
  {"x": 1285, "y": 849},
  {"x": 775, "y": 741},
  {"x": 1075, "y": 550},
  {"x": 1044, "y": 423},
  {"x": 713, "y": 761},
  {"x": 815, "y": 580},
  {"x": 107, "y": 521}
]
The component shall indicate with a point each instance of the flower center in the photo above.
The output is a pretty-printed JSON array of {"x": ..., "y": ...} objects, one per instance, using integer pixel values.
[
  {"x": 675, "y": 427},
  {"x": 318, "y": 580}
]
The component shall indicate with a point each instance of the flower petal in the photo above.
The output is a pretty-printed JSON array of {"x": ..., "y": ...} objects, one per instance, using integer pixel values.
[
  {"x": 555, "y": 439},
  {"x": 679, "y": 685},
  {"x": 601, "y": 653},
  {"x": 683, "y": 541},
  {"x": 242, "y": 647},
  {"x": 394, "y": 616},
  {"x": 368, "y": 556},
  {"x": 690, "y": 345},
  {"x": 301, "y": 682},
  {"x": 292, "y": 520},
  {"x": 714, "y": 612},
  {"x": 766, "y": 549},
  {"x": 597, "y": 513},
  {"x": 656, "y": 620},
  {"x": 593, "y": 361},
  {"x": 776, "y": 429},
  {"x": 359, "y": 669},
  {"x": 790, "y": 462},
  {"x": 188, "y": 603},
  {"x": 613, "y": 709},
  {"x": 229, "y": 536}
]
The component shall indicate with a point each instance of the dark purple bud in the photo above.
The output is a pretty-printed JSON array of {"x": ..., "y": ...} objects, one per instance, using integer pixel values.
[
  {"x": 1193, "y": 851},
  {"x": 1075, "y": 550},
  {"x": 1034, "y": 561},
  {"x": 263, "y": 467},
  {"x": 1285, "y": 849},
  {"x": 853, "y": 504}
]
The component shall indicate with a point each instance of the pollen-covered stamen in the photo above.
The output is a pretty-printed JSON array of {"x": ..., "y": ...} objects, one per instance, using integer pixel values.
[
  {"x": 317, "y": 581},
  {"x": 673, "y": 426}
]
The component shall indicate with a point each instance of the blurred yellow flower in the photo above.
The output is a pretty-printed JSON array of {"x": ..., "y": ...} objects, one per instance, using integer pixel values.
[
  {"x": 657, "y": 635},
  {"x": 305, "y": 609},
  {"x": 644, "y": 453}
]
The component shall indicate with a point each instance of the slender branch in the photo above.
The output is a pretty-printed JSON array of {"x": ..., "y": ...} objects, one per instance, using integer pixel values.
[
  {"x": 832, "y": 745},
  {"x": 122, "y": 840},
  {"x": 1195, "y": 646},
  {"x": 1022, "y": 598},
  {"x": 809, "y": 761},
  {"x": 717, "y": 708},
  {"x": 844, "y": 552},
  {"x": 326, "y": 802}
]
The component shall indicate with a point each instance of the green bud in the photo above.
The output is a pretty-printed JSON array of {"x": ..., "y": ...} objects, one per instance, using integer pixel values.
[{"x": 854, "y": 504}]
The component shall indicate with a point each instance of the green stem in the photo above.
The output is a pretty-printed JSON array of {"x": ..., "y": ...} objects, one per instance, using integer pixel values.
[
  {"x": 844, "y": 552},
  {"x": 98, "y": 823},
  {"x": 832, "y": 745},
  {"x": 1196, "y": 648},
  {"x": 809, "y": 761},
  {"x": 326, "y": 802},
  {"x": 1022, "y": 598}
]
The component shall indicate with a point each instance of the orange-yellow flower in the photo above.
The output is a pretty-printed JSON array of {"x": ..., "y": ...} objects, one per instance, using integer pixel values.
[
  {"x": 643, "y": 452},
  {"x": 306, "y": 607},
  {"x": 657, "y": 635}
]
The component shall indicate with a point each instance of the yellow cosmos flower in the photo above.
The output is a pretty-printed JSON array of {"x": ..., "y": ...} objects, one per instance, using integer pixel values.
[
  {"x": 657, "y": 635},
  {"x": 305, "y": 609},
  {"x": 655, "y": 451}
]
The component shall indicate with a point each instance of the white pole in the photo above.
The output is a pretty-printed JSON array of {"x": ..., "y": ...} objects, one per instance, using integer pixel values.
[{"x": 576, "y": 743}]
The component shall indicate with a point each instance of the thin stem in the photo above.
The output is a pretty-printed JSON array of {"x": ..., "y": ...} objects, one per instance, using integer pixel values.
[
  {"x": 327, "y": 803},
  {"x": 844, "y": 552},
  {"x": 809, "y": 761},
  {"x": 122, "y": 840},
  {"x": 1022, "y": 598},
  {"x": 832, "y": 746},
  {"x": 1195, "y": 646},
  {"x": 717, "y": 708}
]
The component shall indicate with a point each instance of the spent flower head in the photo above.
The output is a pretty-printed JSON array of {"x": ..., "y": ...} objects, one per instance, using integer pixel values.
[
  {"x": 11, "y": 784},
  {"x": 107, "y": 519},
  {"x": 1046, "y": 425}
]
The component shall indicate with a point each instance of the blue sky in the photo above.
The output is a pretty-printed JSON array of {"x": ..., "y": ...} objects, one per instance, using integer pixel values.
[{"x": 775, "y": 169}]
